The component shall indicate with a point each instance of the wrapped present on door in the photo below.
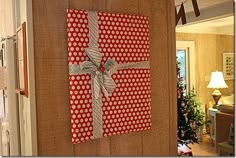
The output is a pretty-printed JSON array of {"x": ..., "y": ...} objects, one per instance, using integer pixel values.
[{"x": 109, "y": 74}]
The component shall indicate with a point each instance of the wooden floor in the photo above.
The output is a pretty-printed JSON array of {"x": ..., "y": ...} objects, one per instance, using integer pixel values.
[{"x": 204, "y": 148}]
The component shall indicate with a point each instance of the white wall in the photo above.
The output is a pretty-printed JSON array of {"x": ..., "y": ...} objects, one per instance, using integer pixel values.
[
  {"x": 7, "y": 27},
  {"x": 27, "y": 105}
]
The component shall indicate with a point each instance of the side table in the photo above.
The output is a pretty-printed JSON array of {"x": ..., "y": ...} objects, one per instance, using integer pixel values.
[{"x": 212, "y": 112}]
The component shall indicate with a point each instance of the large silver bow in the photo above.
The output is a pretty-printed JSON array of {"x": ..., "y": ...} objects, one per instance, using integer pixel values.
[{"x": 101, "y": 74}]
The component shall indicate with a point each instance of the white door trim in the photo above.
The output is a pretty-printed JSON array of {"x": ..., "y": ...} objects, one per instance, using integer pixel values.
[
  {"x": 189, "y": 45},
  {"x": 11, "y": 98}
]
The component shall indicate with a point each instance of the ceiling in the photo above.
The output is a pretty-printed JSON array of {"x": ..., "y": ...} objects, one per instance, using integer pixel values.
[
  {"x": 220, "y": 24},
  {"x": 201, "y": 3},
  {"x": 223, "y": 26}
]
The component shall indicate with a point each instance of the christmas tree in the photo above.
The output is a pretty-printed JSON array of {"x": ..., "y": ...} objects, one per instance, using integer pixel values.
[{"x": 190, "y": 114}]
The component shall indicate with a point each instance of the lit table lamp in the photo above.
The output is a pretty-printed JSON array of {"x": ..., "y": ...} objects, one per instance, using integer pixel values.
[{"x": 217, "y": 81}]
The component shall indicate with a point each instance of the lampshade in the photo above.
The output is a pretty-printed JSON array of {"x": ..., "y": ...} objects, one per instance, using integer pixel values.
[{"x": 217, "y": 81}]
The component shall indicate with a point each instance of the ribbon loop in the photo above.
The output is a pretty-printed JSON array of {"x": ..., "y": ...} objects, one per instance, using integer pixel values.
[
  {"x": 87, "y": 67},
  {"x": 110, "y": 63},
  {"x": 109, "y": 83},
  {"x": 94, "y": 55}
]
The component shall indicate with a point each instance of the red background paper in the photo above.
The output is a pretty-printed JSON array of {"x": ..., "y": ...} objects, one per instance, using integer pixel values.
[{"x": 124, "y": 38}]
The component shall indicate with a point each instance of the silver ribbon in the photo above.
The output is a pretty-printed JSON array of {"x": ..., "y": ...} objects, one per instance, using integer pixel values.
[{"x": 101, "y": 80}]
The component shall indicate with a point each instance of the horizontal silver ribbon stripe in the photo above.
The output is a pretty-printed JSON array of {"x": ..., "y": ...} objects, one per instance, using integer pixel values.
[{"x": 75, "y": 69}]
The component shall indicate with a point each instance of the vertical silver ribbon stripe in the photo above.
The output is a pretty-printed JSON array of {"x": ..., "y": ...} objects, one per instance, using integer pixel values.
[{"x": 101, "y": 80}]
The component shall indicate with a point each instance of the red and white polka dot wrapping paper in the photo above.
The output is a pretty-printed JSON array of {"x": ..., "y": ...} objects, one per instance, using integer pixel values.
[{"x": 124, "y": 38}]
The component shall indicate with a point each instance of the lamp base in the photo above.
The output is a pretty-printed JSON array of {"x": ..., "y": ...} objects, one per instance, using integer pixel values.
[
  {"x": 216, "y": 106},
  {"x": 216, "y": 96}
]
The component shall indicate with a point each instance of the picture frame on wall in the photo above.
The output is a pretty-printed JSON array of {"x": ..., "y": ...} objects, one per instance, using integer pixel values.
[
  {"x": 228, "y": 66},
  {"x": 21, "y": 57}
]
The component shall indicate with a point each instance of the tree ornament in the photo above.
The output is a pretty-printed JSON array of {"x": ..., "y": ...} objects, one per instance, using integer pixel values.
[
  {"x": 186, "y": 117},
  {"x": 178, "y": 93},
  {"x": 182, "y": 133},
  {"x": 191, "y": 125}
]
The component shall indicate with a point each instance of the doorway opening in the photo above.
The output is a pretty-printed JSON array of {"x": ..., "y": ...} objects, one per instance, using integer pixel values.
[{"x": 211, "y": 39}]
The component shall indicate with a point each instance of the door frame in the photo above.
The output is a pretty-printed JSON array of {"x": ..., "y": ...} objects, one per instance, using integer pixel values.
[
  {"x": 13, "y": 110},
  {"x": 190, "y": 46}
]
